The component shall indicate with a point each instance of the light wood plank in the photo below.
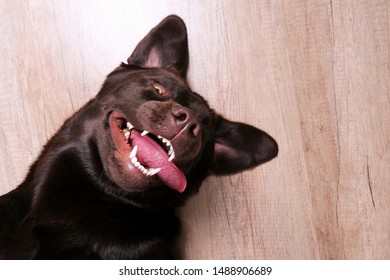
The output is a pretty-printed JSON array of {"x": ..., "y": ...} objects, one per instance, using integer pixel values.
[{"x": 314, "y": 74}]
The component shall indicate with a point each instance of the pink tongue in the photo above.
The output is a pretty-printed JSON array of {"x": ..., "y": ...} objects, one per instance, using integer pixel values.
[{"x": 153, "y": 155}]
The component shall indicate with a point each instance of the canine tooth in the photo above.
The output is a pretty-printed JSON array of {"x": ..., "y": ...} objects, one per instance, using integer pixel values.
[
  {"x": 129, "y": 125},
  {"x": 134, "y": 161},
  {"x": 144, "y": 132},
  {"x": 153, "y": 171},
  {"x": 172, "y": 156},
  {"x": 134, "y": 152}
]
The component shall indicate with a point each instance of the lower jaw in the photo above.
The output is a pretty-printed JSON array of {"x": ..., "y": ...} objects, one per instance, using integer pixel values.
[{"x": 128, "y": 177}]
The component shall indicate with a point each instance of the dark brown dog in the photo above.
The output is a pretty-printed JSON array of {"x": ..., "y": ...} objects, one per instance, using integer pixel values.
[{"x": 107, "y": 184}]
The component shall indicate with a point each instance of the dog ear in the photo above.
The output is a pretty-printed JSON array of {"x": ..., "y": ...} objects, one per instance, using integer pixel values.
[
  {"x": 165, "y": 46},
  {"x": 240, "y": 147}
]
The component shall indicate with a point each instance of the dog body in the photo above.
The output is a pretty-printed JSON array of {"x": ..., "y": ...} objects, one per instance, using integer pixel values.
[{"x": 106, "y": 185}]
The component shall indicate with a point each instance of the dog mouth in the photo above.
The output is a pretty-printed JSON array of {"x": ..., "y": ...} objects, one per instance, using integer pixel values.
[{"x": 146, "y": 153}]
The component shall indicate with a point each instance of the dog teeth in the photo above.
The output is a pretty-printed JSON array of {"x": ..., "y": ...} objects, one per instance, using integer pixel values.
[
  {"x": 146, "y": 171},
  {"x": 130, "y": 126},
  {"x": 144, "y": 132},
  {"x": 153, "y": 171},
  {"x": 172, "y": 156},
  {"x": 126, "y": 133},
  {"x": 134, "y": 152},
  {"x": 171, "y": 152}
]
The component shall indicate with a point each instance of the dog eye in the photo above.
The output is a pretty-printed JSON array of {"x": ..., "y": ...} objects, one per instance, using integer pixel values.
[{"x": 160, "y": 90}]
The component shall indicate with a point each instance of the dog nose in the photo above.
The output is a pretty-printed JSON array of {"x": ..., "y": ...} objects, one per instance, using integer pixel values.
[{"x": 185, "y": 119}]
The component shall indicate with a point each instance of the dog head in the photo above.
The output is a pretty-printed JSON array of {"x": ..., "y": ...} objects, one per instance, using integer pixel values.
[{"x": 157, "y": 135}]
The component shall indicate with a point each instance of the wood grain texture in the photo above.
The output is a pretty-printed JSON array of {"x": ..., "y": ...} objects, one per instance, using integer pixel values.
[{"x": 314, "y": 74}]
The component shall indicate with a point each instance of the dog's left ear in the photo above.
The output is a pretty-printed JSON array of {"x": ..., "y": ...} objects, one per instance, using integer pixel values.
[
  {"x": 240, "y": 147},
  {"x": 165, "y": 46}
]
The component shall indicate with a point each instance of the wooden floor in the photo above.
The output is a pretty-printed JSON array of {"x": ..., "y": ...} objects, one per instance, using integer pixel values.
[{"x": 314, "y": 74}]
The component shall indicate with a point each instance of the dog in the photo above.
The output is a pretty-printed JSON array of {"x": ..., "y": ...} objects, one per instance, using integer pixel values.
[{"x": 107, "y": 184}]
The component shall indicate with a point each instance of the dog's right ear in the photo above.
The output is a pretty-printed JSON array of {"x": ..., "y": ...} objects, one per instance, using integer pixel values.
[
  {"x": 164, "y": 46},
  {"x": 240, "y": 147}
]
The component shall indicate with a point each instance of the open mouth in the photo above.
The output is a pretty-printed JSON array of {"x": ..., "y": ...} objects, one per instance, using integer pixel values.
[{"x": 152, "y": 155}]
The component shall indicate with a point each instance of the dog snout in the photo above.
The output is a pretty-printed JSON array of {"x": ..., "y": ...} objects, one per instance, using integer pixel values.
[{"x": 185, "y": 120}]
